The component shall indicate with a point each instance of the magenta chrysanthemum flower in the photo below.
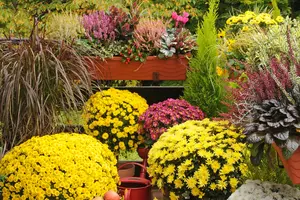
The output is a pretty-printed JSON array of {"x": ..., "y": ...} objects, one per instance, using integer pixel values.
[{"x": 161, "y": 116}]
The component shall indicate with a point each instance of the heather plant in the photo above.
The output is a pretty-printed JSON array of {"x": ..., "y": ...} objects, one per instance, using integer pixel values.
[
  {"x": 148, "y": 33},
  {"x": 113, "y": 29},
  {"x": 161, "y": 116},
  {"x": 99, "y": 26}
]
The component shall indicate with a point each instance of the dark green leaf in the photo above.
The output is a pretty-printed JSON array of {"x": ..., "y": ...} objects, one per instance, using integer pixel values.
[
  {"x": 255, "y": 137},
  {"x": 284, "y": 135},
  {"x": 257, "y": 152},
  {"x": 291, "y": 146},
  {"x": 269, "y": 138}
]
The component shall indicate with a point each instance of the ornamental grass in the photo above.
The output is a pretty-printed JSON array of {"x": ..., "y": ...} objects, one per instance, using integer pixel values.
[
  {"x": 198, "y": 159},
  {"x": 112, "y": 117},
  {"x": 60, "y": 166}
]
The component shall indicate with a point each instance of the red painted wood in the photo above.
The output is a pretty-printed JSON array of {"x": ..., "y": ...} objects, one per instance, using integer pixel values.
[
  {"x": 291, "y": 165},
  {"x": 173, "y": 68}
]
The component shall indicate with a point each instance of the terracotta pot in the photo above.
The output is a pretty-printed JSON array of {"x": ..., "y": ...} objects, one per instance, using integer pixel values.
[
  {"x": 153, "y": 68},
  {"x": 291, "y": 165},
  {"x": 126, "y": 171}
]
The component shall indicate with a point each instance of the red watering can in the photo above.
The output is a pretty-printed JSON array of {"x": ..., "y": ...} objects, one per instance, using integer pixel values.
[{"x": 135, "y": 188}]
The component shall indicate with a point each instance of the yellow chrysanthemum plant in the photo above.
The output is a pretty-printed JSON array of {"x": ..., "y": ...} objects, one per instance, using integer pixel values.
[
  {"x": 200, "y": 159},
  {"x": 234, "y": 39},
  {"x": 59, "y": 166},
  {"x": 112, "y": 117}
]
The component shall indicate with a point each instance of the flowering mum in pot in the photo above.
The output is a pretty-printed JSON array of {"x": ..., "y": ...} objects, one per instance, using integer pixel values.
[
  {"x": 268, "y": 105},
  {"x": 112, "y": 117},
  {"x": 59, "y": 166},
  {"x": 163, "y": 115},
  {"x": 198, "y": 160}
]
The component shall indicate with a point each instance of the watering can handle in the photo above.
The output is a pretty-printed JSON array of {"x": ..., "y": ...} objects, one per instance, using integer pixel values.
[
  {"x": 127, "y": 194},
  {"x": 132, "y": 163}
]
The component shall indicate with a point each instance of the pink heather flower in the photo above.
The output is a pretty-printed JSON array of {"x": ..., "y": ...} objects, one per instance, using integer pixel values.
[
  {"x": 161, "y": 116},
  {"x": 174, "y": 15},
  {"x": 185, "y": 14},
  {"x": 98, "y": 25}
]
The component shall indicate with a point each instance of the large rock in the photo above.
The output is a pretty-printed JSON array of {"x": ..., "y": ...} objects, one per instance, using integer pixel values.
[{"x": 257, "y": 190}]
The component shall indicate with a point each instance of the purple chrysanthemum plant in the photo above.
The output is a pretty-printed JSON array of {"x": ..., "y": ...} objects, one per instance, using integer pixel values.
[{"x": 163, "y": 115}]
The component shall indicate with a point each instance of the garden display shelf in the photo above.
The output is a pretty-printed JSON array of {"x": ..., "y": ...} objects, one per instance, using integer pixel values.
[{"x": 154, "y": 68}]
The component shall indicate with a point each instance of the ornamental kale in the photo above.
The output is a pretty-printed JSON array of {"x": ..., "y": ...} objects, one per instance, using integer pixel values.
[{"x": 161, "y": 116}]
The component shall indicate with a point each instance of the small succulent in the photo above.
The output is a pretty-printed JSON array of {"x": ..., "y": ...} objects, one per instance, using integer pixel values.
[
  {"x": 168, "y": 42},
  {"x": 273, "y": 121}
]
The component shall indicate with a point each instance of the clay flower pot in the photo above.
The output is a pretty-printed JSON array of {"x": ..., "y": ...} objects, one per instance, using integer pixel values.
[
  {"x": 291, "y": 165},
  {"x": 126, "y": 171}
]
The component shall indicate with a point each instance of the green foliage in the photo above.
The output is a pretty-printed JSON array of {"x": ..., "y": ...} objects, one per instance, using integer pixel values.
[
  {"x": 36, "y": 8},
  {"x": 203, "y": 87},
  {"x": 270, "y": 169},
  {"x": 276, "y": 10},
  {"x": 64, "y": 26},
  {"x": 2, "y": 180},
  {"x": 258, "y": 45},
  {"x": 93, "y": 48},
  {"x": 14, "y": 23},
  {"x": 37, "y": 82}
]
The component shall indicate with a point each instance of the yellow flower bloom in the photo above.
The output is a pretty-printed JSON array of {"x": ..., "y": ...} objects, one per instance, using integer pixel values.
[
  {"x": 199, "y": 156},
  {"x": 44, "y": 167},
  {"x": 221, "y": 34},
  {"x": 233, "y": 182},
  {"x": 279, "y": 19},
  {"x": 114, "y": 112},
  {"x": 105, "y": 136}
]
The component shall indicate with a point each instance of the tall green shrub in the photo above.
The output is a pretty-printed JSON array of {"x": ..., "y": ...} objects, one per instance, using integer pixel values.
[{"x": 203, "y": 87}]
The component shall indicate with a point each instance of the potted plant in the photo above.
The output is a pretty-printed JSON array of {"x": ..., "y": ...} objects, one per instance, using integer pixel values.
[
  {"x": 112, "y": 117},
  {"x": 198, "y": 160},
  {"x": 59, "y": 166},
  {"x": 133, "y": 48},
  {"x": 268, "y": 106},
  {"x": 163, "y": 115}
]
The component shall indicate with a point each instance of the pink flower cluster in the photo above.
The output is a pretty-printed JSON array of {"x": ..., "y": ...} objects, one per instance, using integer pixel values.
[
  {"x": 184, "y": 18},
  {"x": 98, "y": 25},
  {"x": 161, "y": 116}
]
